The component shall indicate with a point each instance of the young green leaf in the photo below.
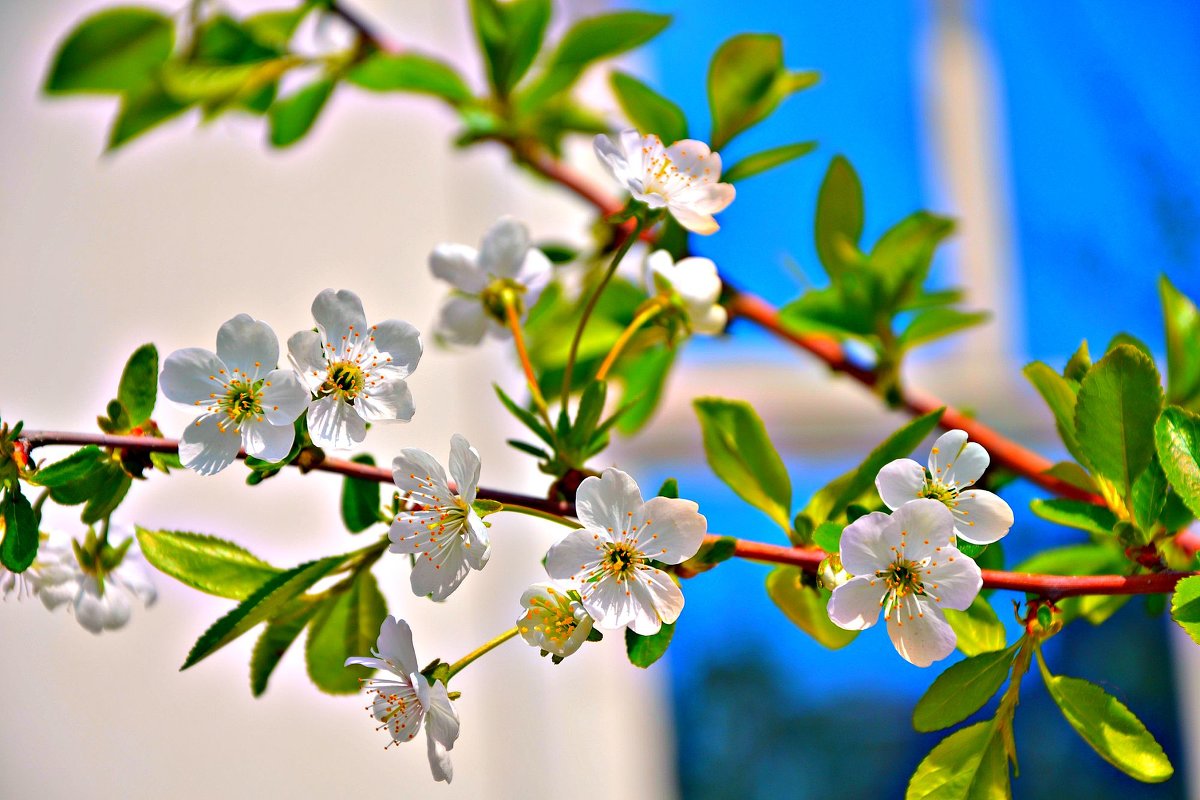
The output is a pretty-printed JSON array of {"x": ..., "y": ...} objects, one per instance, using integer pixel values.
[
  {"x": 138, "y": 388},
  {"x": 828, "y": 536},
  {"x": 526, "y": 416},
  {"x": 969, "y": 764},
  {"x": 142, "y": 109},
  {"x": 645, "y": 650},
  {"x": 978, "y": 628},
  {"x": 805, "y": 607},
  {"x": 1183, "y": 335},
  {"x": 840, "y": 213},
  {"x": 1078, "y": 364},
  {"x": 109, "y": 485},
  {"x": 265, "y": 603},
  {"x": 1119, "y": 400},
  {"x": 902, "y": 256},
  {"x": 1059, "y": 395},
  {"x": 741, "y": 454},
  {"x": 1177, "y": 439},
  {"x": 360, "y": 499},
  {"x": 276, "y": 638},
  {"x": 645, "y": 377},
  {"x": 962, "y": 690},
  {"x": 75, "y": 467},
  {"x": 1105, "y": 723},
  {"x": 292, "y": 117},
  {"x": 648, "y": 110},
  {"x": 510, "y": 36},
  {"x": 1185, "y": 606},
  {"x": 1075, "y": 514},
  {"x": 1150, "y": 495},
  {"x": 346, "y": 626},
  {"x": 20, "y": 545},
  {"x": 747, "y": 81},
  {"x": 411, "y": 72},
  {"x": 827, "y": 310},
  {"x": 765, "y": 160},
  {"x": 113, "y": 51},
  {"x": 207, "y": 563},
  {"x": 935, "y": 323},
  {"x": 587, "y": 416}
]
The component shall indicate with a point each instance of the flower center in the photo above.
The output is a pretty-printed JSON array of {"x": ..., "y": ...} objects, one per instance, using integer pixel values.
[
  {"x": 242, "y": 401},
  {"x": 555, "y": 619},
  {"x": 940, "y": 492},
  {"x": 902, "y": 578},
  {"x": 621, "y": 559},
  {"x": 494, "y": 295},
  {"x": 345, "y": 379}
]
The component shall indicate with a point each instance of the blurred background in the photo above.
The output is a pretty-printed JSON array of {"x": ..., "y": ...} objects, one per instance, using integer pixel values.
[{"x": 1058, "y": 134}]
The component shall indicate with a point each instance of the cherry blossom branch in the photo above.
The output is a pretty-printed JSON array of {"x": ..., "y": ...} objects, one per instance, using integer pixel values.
[{"x": 1051, "y": 587}]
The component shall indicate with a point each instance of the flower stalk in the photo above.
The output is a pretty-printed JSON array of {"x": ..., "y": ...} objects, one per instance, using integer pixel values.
[
  {"x": 648, "y": 313},
  {"x": 483, "y": 649},
  {"x": 514, "y": 323}
]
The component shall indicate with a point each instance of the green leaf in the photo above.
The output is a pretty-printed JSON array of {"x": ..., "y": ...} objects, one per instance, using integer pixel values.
[
  {"x": 805, "y": 606},
  {"x": 109, "y": 485},
  {"x": 903, "y": 254},
  {"x": 292, "y": 117},
  {"x": 526, "y": 416},
  {"x": 962, "y": 690},
  {"x": 645, "y": 650},
  {"x": 1131, "y": 340},
  {"x": 765, "y": 160},
  {"x": 75, "y": 467},
  {"x": 832, "y": 500},
  {"x": 1150, "y": 495},
  {"x": 645, "y": 377},
  {"x": 207, "y": 563},
  {"x": 1185, "y": 606},
  {"x": 1183, "y": 343},
  {"x": 839, "y": 220},
  {"x": 747, "y": 81},
  {"x": 590, "y": 40},
  {"x": 1059, "y": 395},
  {"x": 346, "y": 626},
  {"x": 669, "y": 488},
  {"x": 276, "y": 28},
  {"x": 266, "y": 602},
  {"x": 141, "y": 110},
  {"x": 1119, "y": 400},
  {"x": 969, "y": 764},
  {"x": 978, "y": 628},
  {"x": 827, "y": 310},
  {"x": 648, "y": 110},
  {"x": 587, "y": 416},
  {"x": 411, "y": 72},
  {"x": 1105, "y": 723},
  {"x": 276, "y": 638},
  {"x": 219, "y": 85},
  {"x": 20, "y": 545},
  {"x": 113, "y": 51},
  {"x": 1076, "y": 514},
  {"x": 935, "y": 323},
  {"x": 360, "y": 499},
  {"x": 138, "y": 388},
  {"x": 1078, "y": 364},
  {"x": 510, "y": 35},
  {"x": 741, "y": 454},
  {"x": 1075, "y": 475},
  {"x": 1177, "y": 439},
  {"x": 828, "y": 536}
]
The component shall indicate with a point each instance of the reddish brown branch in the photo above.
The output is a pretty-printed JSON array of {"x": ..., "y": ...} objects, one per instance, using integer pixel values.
[{"x": 1048, "y": 586}]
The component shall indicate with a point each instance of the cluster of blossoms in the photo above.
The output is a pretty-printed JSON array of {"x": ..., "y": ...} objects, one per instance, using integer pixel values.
[
  {"x": 907, "y": 564},
  {"x": 343, "y": 375}
]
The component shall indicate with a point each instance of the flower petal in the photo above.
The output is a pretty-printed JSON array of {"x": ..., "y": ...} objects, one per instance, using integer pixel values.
[
  {"x": 697, "y": 281},
  {"x": 606, "y": 502},
  {"x": 461, "y": 320},
  {"x": 922, "y": 640},
  {"x": 439, "y": 572},
  {"x": 575, "y": 553},
  {"x": 207, "y": 447},
  {"x": 706, "y": 199},
  {"x": 856, "y": 603},
  {"x": 457, "y": 264},
  {"x": 388, "y": 401},
  {"x": 464, "y": 467},
  {"x": 865, "y": 546},
  {"x": 944, "y": 451},
  {"x": 306, "y": 355},
  {"x": 284, "y": 397},
  {"x": 395, "y": 644},
  {"x": 664, "y": 595},
  {"x": 335, "y": 424},
  {"x": 503, "y": 248},
  {"x": 669, "y": 530},
  {"x": 703, "y": 224},
  {"x": 134, "y": 576},
  {"x": 982, "y": 517},
  {"x": 900, "y": 481},
  {"x": 401, "y": 341},
  {"x": 439, "y": 760},
  {"x": 477, "y": 546},
  {"x": 417, "y": 473},
  {"x": 192, "y": 375},
  {"x": 614, "y": 604},
  {"x": 694, "y": 158},
  {"x": 338, "y": 313},
  {"x": 710, "y": 321},
  {"x": 248, "y": 345},
  {"x": 954, "y": 582},
  {"x": 534, "y": 273},
  {"x": 266, "y": 441},
  {"x": 441, "y": 720},
  {"x": 922, "y": 526}
]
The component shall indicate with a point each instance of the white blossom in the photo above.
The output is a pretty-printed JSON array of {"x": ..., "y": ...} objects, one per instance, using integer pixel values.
[
  {"x": 906, "y": 565},
  {"x": 504, "y": 262},
  {"x": 554, "y": 620},
  {"x": 406, "y": 701},
  {"x": 610, "y": 555},
  {"x": 980, "y": 517},
  {"x": 356, "y": 370},
  {"x": 246, "y": 402},
  {"x": 443, "y": 532},
  {"x": 694, "y": 281},
  {"x": 683, "y": 178},
  {"x": 101, "y": 599},
  {"x": 22, "y": 584}
]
